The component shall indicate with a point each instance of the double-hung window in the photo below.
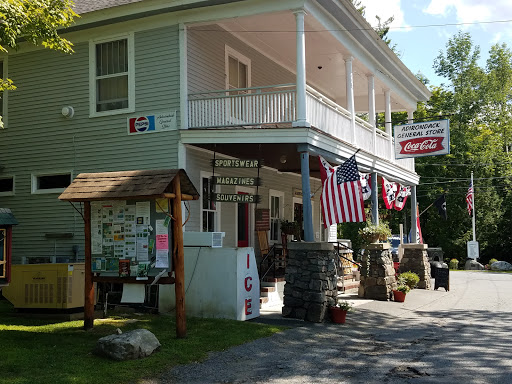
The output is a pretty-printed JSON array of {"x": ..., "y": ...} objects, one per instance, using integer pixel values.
[
  {"x": 112, "y": 71},
  {"x": 210, "y": 209}
]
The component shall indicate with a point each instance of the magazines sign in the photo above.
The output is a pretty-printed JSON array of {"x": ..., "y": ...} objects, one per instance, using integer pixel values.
[{"x": 422, "y": 139}]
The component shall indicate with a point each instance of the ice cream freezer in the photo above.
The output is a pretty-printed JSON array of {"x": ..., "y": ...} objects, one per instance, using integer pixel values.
[{"x": 219, "y": 283}]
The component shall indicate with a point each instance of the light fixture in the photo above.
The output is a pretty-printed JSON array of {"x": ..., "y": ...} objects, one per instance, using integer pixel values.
[
  {"x": 68, "y": 112},
  {"x": 282, "y": 159}
]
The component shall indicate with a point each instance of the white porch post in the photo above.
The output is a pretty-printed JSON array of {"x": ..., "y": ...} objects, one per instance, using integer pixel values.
[
  {"x": 371, "y": 109},
  {"x": 414, "y": 215},
  {"x": 301, "y": 70},
  {"x": 350, "y": 96},
  {"x": 183, "y": 76},
  {"x": 387, "y": 119}
]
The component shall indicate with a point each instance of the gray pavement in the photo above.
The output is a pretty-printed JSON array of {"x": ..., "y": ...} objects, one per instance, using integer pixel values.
[{"x": 460, "y": 336}]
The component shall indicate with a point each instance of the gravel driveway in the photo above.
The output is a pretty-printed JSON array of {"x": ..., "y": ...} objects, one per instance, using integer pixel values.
[{"x": 460, "y": 336}]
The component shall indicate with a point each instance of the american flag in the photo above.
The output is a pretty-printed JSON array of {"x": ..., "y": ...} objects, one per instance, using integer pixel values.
[
  {"x": 342, "y": 196},
  {"x": 470, "y": 197}
]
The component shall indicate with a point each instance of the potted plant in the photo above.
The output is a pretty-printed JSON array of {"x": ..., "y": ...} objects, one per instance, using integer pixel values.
[
  {"x": 290, "y": 227},
  {"x": 401, "y": 291},
  {"x": 372, "y": 233},
  {"x": 339, "y": 312}
]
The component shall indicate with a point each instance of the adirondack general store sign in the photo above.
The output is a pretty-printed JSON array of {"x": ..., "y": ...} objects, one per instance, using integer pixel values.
[{"x": 422, "y": 139}]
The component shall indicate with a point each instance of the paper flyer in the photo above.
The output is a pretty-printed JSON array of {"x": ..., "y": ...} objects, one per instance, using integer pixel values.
[
  {"x": 142, "y": 212},
  {"x": 161, "y": 205},
  {"x": 162, "y": 242},
  {"x": 143, "y": 270},
  {"x": 162, "y": 258},
  {"x": 161, "y": 229}
]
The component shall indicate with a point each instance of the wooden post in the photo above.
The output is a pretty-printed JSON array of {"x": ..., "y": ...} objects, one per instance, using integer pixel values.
[
  {"x": 179, "y": 266},
  {"x": 89, "y": 287}
]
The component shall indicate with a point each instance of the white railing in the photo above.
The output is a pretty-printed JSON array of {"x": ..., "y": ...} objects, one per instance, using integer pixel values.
[
  {"x": 276, "y": 104},
  {"x": 243, "y": 107}
]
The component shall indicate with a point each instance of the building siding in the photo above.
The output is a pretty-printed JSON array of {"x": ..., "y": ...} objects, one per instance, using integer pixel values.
[
  {"x": 199, "y": 160},
  {"x": 40, "y": 140},
  {"x": 206, "y": 61}
]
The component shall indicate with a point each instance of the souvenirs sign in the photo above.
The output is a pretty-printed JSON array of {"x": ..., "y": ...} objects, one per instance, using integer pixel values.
[
  {"x": 235, "y": 198},
  {"x": 422, "y": 139}
]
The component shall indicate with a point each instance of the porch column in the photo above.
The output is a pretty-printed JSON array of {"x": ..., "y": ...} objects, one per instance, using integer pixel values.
[
  {"x": 387, "y": 119},
  {"x": 414, "y": 214},
  {"x": 375, "y": 199},
  {"x": 350, "y": 96},
  {"x": 301, "y": 70},
  {"x": 306, "y": 197},
  {"x": 371, "y": 109}
]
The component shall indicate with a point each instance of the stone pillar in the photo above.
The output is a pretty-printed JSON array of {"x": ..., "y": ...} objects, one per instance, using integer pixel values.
[
  {"x": 310, "y": 287},
  {"x": 415, "y": 259},
  {"x": 377, "y": 273}
]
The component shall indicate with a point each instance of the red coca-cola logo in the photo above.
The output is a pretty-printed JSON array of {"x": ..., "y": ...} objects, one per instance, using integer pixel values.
[{"x": 421, "y": 145}]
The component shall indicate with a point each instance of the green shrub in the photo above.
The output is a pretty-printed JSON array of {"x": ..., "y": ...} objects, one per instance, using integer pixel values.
[
  {"x": 492, "y": 261},
  {"x": 454, "y": 264},
  {"x": 409, "y": 278}
]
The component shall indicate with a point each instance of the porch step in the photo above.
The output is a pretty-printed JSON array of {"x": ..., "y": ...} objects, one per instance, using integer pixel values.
[
  {"x": 265, "y": 291},
  {"x": 274, "y": 279}
]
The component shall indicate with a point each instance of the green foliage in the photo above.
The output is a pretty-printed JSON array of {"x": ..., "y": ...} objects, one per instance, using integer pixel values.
[
  {"x": 409, "y": 278},
  {"x": 492, "y": 261},
  {"x": 344, "y": 305},
  {"x": 402, "y": 285},
  {"x": 454, "y": 264},
  {"x": 374, "y": 232},
  {"x": 477, "y": 101}
]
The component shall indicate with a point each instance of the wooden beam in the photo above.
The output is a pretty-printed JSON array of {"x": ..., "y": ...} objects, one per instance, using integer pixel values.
[
  {"x": 89, "y": 286},
  {"x": 131, "y": 280},
  {"x": 179, "y": 264},
  {"x": 184, "y": 196}
]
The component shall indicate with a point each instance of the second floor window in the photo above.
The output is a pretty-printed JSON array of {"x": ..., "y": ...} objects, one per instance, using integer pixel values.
[{"x": 113, "y": 70}]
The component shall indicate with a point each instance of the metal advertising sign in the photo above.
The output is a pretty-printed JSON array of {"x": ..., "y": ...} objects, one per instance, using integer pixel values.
[
  {"x": 165, "y": 121},
  {"x": 422, "y": 139},
  {"x": 236, "y": 163}
]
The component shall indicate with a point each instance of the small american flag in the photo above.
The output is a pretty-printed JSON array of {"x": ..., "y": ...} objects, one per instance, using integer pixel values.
[
  {"x": 342, "y": 196},
  {"x": 470, "y": 197}
]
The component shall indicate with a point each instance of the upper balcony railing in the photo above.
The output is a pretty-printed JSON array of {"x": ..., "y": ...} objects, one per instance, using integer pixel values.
[
  {"x": 243, "y": 107},
  {"x": 276, "y": 104}
]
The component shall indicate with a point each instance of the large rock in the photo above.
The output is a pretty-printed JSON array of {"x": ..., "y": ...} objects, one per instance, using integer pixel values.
[
  {"x": 472, "y": 265},
  {"x": 131, "y": 345},
  {"x": 501, "y": 266}
]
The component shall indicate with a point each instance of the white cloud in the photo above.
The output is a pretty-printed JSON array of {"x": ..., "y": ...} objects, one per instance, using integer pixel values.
[
  {"x": 471, "y": 11},
  {"x": 384, "y": 9}
]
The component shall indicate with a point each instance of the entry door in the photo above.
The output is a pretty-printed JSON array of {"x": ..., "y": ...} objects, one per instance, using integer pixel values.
[{"x": 243, "y": 223}]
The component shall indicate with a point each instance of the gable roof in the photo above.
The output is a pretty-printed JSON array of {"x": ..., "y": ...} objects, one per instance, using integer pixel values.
[
  {"x": 6, "y": 217},
  {"x": 145, "y": 184},
  {"x": 86, "y": 6}
]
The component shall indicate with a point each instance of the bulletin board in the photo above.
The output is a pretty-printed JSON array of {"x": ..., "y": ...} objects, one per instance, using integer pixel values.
[{"x": 130, "y": 238}]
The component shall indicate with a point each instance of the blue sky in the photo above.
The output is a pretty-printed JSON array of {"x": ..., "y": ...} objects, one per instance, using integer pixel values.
[{"x": 420, "y": 29}]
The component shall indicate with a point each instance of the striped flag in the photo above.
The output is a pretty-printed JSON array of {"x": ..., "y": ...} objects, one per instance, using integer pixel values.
[
  {"x": 470, "y": 197},
  {"x": 342, "y": 196}
]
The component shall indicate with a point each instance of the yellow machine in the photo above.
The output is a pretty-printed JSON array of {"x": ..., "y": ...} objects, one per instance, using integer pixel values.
[{"x": 52, "y": 286}]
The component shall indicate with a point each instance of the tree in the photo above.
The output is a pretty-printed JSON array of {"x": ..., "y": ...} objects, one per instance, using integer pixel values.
[
  {"x": 36, "y": 22},
  {"x": 479, "y": 102}
]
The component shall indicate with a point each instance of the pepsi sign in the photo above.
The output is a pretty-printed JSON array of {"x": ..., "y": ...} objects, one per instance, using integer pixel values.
[{"x": 141, "y": 124}]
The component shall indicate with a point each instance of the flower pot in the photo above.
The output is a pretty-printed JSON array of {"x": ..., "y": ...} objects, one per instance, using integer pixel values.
[
  {"x": 399, "y": 296},
  {"x": 338, "y": 315}
]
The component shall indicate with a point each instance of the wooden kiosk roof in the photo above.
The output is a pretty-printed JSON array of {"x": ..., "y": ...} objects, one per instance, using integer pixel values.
[{"x": 144, "y": 184}]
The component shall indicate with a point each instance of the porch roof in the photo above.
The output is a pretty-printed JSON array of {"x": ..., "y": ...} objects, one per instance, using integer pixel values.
[{"x": 141, "y": 184}]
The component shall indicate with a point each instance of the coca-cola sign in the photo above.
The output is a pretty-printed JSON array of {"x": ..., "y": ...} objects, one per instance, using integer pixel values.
[{"x": 422, "y": 139}]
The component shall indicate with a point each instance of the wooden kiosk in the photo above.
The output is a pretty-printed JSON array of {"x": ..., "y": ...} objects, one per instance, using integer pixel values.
[{"x": 173, "y": 185}]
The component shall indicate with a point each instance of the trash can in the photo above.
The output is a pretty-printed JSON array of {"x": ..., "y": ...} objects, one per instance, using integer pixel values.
[{"x": 434, "y": 266}]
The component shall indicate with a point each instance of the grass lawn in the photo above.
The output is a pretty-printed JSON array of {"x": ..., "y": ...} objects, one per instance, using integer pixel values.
[{"x": 40, "y": 351}]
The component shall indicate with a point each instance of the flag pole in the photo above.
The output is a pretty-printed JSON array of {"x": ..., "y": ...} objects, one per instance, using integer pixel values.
[{"x": 474, "y": 189}]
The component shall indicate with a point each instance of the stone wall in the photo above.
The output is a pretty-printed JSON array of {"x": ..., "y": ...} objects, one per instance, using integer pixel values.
[
  {"x": 416, "y": 260},
  {"x": 377, "y": 273},
  {"x": 310, "y": 287}
]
